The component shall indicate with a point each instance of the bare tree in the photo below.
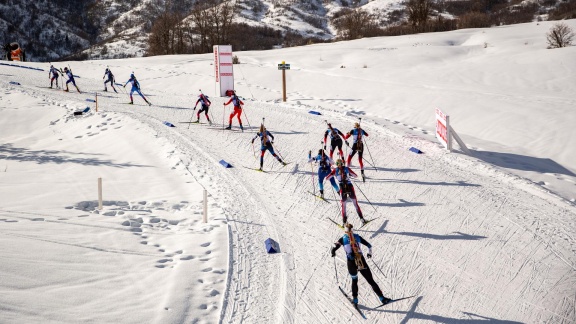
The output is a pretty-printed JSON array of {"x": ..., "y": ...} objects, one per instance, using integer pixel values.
[
  {"x": 418, "y": 13},
  {"x": 354, "y": 24},
  {"x": 167, "y": 35},
  {"x": 212, "y": 23},
  {"x": 560, "y": 35}
]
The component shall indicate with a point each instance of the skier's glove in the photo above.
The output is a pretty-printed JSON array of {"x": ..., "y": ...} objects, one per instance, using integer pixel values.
[
  {"x": 347, "y": 143},
  {"x": 252, "y": 141},
  {"x": 324, "y": 147},
  {"x": 333, "y": 252},
  {"x": 369, "y": 255}
]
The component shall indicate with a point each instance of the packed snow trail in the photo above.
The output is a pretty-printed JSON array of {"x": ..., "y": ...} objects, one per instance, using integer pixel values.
[{"x": 474, "y": 244}]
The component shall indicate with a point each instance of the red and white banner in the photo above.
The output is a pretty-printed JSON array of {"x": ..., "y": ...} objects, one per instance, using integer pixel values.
[
  {"x": 443, "y": 129},
  {"x": 223, "y": 69}
]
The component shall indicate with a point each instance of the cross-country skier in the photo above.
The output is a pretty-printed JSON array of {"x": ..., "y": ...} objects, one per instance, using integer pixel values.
[
  {"x": 343, "y": 174},
  {"x": 266, "y": 144},
  {"x": 335, "y": 140},
  {"x": 356, "y": 262},
  {"x": 70, "y": 76},
  {"x": 135, "y": 88},
  {"x": 110, "y": 76},
  {"x": 357, "y": 134},
  {"x": 205, "y": 102},
  {"x": 237, "y": 110},
  {"x": 53, "y": 76},
  {"x": 324, "y": 168}
]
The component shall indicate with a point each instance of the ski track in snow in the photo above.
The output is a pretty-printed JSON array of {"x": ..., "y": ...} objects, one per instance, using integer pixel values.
[{"x": 458, "y": 275}]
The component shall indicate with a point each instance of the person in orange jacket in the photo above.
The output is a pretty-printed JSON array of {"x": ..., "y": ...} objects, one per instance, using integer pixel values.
[{"x": 237, "y": 110}]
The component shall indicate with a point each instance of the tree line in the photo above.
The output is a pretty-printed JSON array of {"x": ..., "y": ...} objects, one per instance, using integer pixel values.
[{"x": 212, "y": 22}]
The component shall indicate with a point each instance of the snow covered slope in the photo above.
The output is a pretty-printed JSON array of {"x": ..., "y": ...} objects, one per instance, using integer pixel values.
[{"x": 474, "y": 241}]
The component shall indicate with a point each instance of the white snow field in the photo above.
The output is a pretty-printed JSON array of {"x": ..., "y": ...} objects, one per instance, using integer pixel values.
[{"x": 482, "y": 238}]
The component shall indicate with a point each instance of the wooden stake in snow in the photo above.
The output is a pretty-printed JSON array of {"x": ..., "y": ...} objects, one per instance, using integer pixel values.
[
  {"x": 205, "y": 215},
  {"x": 96, "y": 101},
  {"x": 99, "y": 193},
  {"x": 283, "y": 66}
]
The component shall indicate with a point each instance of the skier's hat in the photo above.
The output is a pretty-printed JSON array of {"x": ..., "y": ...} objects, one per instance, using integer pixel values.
[{"x": 356, "y": 125}]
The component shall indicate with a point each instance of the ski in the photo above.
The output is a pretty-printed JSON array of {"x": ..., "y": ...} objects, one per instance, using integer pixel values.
[
  {"x": 194, "y": 123},
  {"x": 319, "y": 197},
  {"x": 352, "y": 302},
  {"x": 368, "y": 221},
  {"x": 341, "y": 226},
  {"x": 394, "y": 300},
  {"x": 255, "y": 169}
]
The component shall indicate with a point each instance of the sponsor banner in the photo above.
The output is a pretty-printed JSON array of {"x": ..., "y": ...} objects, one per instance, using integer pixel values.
[
  {"x": 223, "y": 69},
  {"x": 442, "y": 128}
]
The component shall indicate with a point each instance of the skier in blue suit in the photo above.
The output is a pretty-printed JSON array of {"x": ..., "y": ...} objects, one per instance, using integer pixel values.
[
  {"x": 70, "y": 76},
  {"x": 265, "y": 137},
  {"x": 355, "y": 265},
  {"x": 135, "y": 88},
  {"x": 324, "y": 168}
]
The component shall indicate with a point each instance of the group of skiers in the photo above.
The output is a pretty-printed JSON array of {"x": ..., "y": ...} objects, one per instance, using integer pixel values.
[
  {"x": 338, "y": 172},
  {"x": 54, "y": 74},
  {"x": 342, "y": 173},
  {"x": 330, "y": 170}
]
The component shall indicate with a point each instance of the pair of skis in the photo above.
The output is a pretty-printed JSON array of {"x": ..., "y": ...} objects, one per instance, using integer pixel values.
[
  {"x": 342, "y": 226},
  {"x": 358, "y": 308}
]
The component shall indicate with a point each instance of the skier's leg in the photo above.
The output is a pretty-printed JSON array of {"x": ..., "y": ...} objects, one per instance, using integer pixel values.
[
  {"x": 262, "y": 151},
  {"x": 355, "y": 201},
  {"x": 339, "y": 144},
  {"x": 334, "y": 185},
  {"x": 367, "y": 274},
  {"x": 360, "y": 160},
  {"x": 321, "y": 176},
  {"x": 353, "y": 271},
  {"x": 344, "y": 197},
  {"x": 332, "y": 147}
]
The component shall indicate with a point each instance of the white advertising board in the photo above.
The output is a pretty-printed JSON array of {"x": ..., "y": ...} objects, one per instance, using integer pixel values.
[
  {"x": 223, "y": 69},
  {"x": 443, "y": 129}
]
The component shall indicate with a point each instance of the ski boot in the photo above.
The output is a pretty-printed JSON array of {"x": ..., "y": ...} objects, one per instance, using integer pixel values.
[
  {"x": 322, "y": 194},
  {"x": 106, "y": 89},
  {"x": 209, "y": 122},
  {"x": 241, "y": 128},
  {"x": 131, "y": 103},
  {"x": 363, "y": 176},
  {"x": 67, "y": 90},
  {"x": 355, "y": 301},
  {"x": 229, "y": 127},
  {"x": 385, "y": 300},
  {"x": 363, "y": 220},
  {"x": 197, "y": 121}
]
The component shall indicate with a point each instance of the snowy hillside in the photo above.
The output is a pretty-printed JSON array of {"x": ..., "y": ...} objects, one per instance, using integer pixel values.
[{"x": 482, "y": 238}]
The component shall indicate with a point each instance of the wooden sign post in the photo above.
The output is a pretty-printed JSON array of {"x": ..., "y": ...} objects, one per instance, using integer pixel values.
[{"x": 283, "y": 66}]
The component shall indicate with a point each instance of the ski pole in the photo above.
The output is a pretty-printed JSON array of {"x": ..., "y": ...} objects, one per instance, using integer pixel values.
[
  {"x": 247, "y": 118},
  {"x": 312, "y": 169},
  {"x": 336, "y": 271},
  {"x": 223, "y": 117},
  {"x": 366, "y": 198},
  {"x": 368, "y": 149},
  {"x": 377, "y": 267},
  {"x": 193, "y": 110},
  {"x": 276, "y": 150}
]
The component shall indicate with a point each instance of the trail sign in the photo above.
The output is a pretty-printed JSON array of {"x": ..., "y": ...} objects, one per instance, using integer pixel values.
[{"x": 283, "y": 66}]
